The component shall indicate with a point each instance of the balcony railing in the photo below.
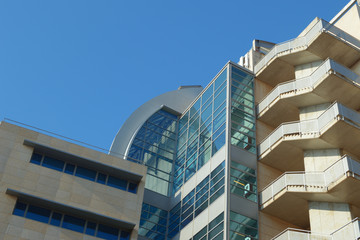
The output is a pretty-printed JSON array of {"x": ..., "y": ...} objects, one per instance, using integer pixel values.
[
  {"x": 350, "y": 231},
  {"x": 314, "y": 181},
  {"x": 307, "y": 82},
  {"x": 314, "y": 126},
  {"x": 304, "y": 41}
]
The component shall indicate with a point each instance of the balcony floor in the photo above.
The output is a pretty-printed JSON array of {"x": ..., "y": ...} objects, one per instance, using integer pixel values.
[
  {"x": 332, "y": 87},
  {"x": 291, "y": 204}
]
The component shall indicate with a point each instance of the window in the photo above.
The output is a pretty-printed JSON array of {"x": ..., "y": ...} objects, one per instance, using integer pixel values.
[
  {"x": 69, "y": 222},
  {"x": 83, "y": 172}
]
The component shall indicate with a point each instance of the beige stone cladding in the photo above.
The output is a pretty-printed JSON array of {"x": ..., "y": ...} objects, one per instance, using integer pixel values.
[{"x": 19, "y": 175}]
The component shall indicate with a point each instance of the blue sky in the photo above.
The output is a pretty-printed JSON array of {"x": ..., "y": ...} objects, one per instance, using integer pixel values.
[{"x": 79, "y": 68}]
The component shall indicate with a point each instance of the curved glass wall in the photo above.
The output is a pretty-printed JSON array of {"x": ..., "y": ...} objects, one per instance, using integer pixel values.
[
  {"x": 155, "y": 145},
  {"x": 201, "y": 131}
]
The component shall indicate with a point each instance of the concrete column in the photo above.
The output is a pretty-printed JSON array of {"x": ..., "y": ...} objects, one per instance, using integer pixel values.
[
  {"x": 320, "y": 159},
  {"x": 312, "y": 112},
  {"x": 307, "y": 69},
  {"x": 327, "y": 217}
]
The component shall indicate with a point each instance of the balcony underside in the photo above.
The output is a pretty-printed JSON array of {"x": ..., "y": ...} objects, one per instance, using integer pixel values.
[
  {"x": 291, "y": 204},
  {"x": 332, "y": 87},
  {"x": 287, "y": 153},
  {"x": 325, "y": 45}
]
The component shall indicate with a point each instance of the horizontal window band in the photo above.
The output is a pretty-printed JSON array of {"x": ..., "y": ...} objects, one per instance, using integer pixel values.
[
  {"x": 77, "y": 212},
  {"x": 67, "y": 157}
]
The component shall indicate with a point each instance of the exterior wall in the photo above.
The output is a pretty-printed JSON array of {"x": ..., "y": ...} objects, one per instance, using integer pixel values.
[
  {"x": 350, "y": 21},
  {"x": 261, "y": 89},
  {"x": 325, "y": 217},
  {"x": 320, "y": 159},
  {"x": 312, "y": 112},
  {"x": 266, "y": 175},
  {"x": 270, "y": 226},
  {"x": 19, "y": 174},
  {"x": 307, "y": 69},
  {"x": 356, "y": 68}
]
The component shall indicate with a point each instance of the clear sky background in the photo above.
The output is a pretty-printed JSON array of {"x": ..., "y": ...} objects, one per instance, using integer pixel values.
[{"x": 79, "y": 68}]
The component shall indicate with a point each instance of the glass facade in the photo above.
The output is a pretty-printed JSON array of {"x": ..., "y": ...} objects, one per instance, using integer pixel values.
[
  {"x": 242, "y": 228},
  {"x": 205, "y": 193},
  {"x": 175, "y": 148},
  {"x": 243, "y": 181},
  {"x": 201, "y": 131},
  {"x": 155, "y": 145},
  {"x": 242, "y": 110},
  {"x": 153, "y": 222},
  {"x": 213, "y": 231}
]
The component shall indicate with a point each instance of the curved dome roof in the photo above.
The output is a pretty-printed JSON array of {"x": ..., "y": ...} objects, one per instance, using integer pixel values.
[{"x": 176, "y": 101}]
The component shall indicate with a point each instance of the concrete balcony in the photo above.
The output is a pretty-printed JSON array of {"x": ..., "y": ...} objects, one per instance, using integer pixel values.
[
  {"x": 336, "y": 127},
  {"x": 291, "y": 192},
  {"x": 328, "y": 83},
  {"x": 321, "y": 41},
  {"x": 350, "y": 231}
]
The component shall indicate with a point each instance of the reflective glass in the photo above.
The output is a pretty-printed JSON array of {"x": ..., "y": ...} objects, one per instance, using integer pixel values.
[
  {"x": 38, "y": 213},
  {"x": 101, "y": 178},
  {"x": 90, "y": 228},
  {"x": 85, "y": 173},
  {"x": 107, "y": 232},
  {"x": 207, "y": 94},
  {"x": 55, "y": 219},
  {"x": 117, "y": 182},
  {"x": 132, "y": 187},
  {"x": 124, "y": 235},
  {"x": 220, "y": 79},
  {"x": 36, "y": 158},
  {"x": 73, "y": 223},
  {"x": 19, "y": 209},
  {"x": 69, "y": 168},
  {"x": 53, "y": 163}
]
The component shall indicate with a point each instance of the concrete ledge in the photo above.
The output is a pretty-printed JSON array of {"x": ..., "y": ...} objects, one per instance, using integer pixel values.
[
  {"x": 71, "y": 210},
  {"x": 61, "y": 155}
]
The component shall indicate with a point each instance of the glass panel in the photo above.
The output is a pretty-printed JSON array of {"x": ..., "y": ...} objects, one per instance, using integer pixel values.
[
  {"x": 85, "y": 173},
  {"x": 218, "y": 143},
  {"x": 56, "y": 219},
  {"x": 132, "y": 187},
  {"x": 69, "y": 168},
  {"x": 200, "y": 234},
  {"x": 101, "y": 178},
  {"x": 36, "y": 158},
  {"x": 117, "y": 183},
  {"x": 207, "y": 94},
  {"x": 107, "y": 232},
  {"x": 73, "y": 223},
  {"x": 19, "y": 209},
  {"x": 221, "y": 79},
  {"x": 38, "y": 213},
  {"x": 53, "y": 163},
  {"x": 124, "y": 235},
  {"x": 90, "y": 228}
]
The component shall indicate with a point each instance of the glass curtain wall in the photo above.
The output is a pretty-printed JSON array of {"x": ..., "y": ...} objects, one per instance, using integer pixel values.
[
  {"x": 155, "y": 146},
  {"x": 242, "y": 110},
  {"x": 201, "y": 130}
]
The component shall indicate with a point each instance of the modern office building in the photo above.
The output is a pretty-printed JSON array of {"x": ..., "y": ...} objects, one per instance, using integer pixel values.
[{"x": 269, "y": 149}]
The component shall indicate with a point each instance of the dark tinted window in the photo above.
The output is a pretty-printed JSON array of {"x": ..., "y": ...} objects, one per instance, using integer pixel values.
[
  {"x": 53, "y": 163},
  {"x": 85, "y": 173},
  {"x": 38, "y": 214},
  {"x": 73, "y": 223}
]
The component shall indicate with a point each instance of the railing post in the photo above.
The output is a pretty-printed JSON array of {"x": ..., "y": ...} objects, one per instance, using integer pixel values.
[{"x": 304, "y": 181}]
